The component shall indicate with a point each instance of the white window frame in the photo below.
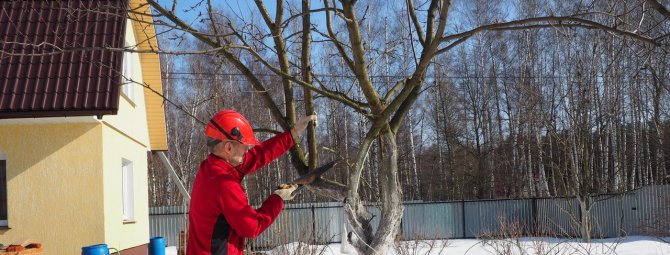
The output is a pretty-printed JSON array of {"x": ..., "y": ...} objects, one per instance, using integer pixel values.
[
  {"x": 4, "y": 222},
  {"x": 128, "y": 72},
  {"x": 127, "y": 193}
]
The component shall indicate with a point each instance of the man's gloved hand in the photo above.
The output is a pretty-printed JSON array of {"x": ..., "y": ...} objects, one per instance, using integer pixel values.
[
  {"x": 285, "y": 191},
  {"x": 301, "y": 125}
]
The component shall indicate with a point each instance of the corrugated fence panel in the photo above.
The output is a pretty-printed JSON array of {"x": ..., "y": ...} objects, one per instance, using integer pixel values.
[
  {"x": 628, "y": 214},
  {"x": 292, "y": 225},
  {"x": 518, "y": 216},
  {"x": 329, "y": 224},
  {"x": 629, "y": 211},
  {"x": 496, "y": 217},
  {"x": 606, "y": 216},
  {"x": 611, "y": 215},
  {"x": 168, "y": 222},
  {"x": 557, "y": 217},
  {"x": 432, "y": 221},
  {"x": 643, "y": 206},
  {"x": 319, "y": 223}
]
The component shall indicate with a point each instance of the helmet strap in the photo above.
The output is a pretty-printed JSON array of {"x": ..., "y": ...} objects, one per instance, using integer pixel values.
[{"x": 235, "y": 131}]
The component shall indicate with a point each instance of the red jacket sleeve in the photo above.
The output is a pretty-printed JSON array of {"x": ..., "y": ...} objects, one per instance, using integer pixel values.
[
  {"x": 261, "y": 155},
  {"x": 243, "y": 218}
]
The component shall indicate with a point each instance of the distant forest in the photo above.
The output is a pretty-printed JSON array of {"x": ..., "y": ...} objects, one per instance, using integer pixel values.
[{"x": 529, "y": 113}]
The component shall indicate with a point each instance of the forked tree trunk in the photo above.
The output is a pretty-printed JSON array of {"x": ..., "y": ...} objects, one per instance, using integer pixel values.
[{"x": 362, "y": 237}]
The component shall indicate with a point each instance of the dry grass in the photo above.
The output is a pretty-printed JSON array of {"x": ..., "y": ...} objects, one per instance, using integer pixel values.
[{"x": 423, "y": 245}]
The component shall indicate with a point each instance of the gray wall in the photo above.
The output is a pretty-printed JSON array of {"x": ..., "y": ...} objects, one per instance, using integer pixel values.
[{"x": 612, "y": 216}]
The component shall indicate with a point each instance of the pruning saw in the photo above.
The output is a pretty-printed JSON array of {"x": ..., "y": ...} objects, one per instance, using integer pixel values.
[{"x": 312, "y": 176}]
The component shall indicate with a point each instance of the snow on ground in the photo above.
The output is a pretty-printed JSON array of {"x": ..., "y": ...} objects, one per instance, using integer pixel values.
[{"x": 634, "y": 245}]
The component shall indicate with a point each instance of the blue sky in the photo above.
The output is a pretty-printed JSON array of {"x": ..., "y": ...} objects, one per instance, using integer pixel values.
[{"x": 188, "y": 10}]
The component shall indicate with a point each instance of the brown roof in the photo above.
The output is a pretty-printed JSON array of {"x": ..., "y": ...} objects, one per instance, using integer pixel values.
[{"x": 37, "y": 79}]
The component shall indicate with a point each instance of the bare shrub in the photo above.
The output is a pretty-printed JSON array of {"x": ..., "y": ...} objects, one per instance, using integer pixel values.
[
  {"x": 421, "y": 245},
  {"x": 510, "y": 239},
  {"x": 506, "y": 240}
]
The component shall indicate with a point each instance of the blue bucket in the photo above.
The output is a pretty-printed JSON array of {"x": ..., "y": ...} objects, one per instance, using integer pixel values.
[
  {"x": 98, "y": 249},
  {"x": 157, "y": 245}
]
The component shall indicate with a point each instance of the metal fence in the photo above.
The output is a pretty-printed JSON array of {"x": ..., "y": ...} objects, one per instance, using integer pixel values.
[
  {"x": 168, "y": 221},
  {"x": 611, "y": 216}
]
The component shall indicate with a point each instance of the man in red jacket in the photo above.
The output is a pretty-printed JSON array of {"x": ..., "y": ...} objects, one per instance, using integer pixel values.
[{"x": 220, "y": 217}]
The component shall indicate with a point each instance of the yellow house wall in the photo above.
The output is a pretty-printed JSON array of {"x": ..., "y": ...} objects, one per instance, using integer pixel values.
[
  {"x": 120, "y": 234},
  {"x": 54, "y": 185},
  {"x": 126, "y": 136},
  {"x": 131, "y": 119}
]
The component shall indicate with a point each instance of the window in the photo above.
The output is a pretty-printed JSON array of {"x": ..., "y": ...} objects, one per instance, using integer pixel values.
[
  {"x": 128, "y": 86},
  {"x": 128, "y": 193},
  {"x": 3, "y": 191}
]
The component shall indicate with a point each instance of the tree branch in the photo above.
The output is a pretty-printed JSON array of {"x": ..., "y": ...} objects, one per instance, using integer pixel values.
[
  {"x": 659, "y": 8},
  {"x": 415, "y": 21},
  {"x": 306, "y": 67},
  {"x": 282, "y": 57},
  {"x": 337, "y": 42},
  {"x": 338, "y": 96},
  {"x": 358, "y": 106},
  {"x": 452, "y": 45},
  {"x": 264, "y": 14},
  {"x": 333, "y": 36},
  {"x": 393, "y": 90},
  {"x": 289, "y": 19},
  {"x": 172, "y": 17},
  {"x": 512, "y": 25},
  {"x": 360, "y": 67},
  {"x": 223, "y": 51},
  {"x": 212, "y": 20},
  {"x": 430, "y": 19},
  {"x": 58, "y": 50}
]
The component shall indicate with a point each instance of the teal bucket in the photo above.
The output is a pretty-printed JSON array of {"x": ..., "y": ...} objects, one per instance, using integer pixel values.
[
  {"x": 98, "y": 249},
  {"x": 157, "y": 245}
]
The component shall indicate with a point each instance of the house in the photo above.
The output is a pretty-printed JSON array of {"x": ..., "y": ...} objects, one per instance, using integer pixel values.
[{"x": 74, "y": 132}]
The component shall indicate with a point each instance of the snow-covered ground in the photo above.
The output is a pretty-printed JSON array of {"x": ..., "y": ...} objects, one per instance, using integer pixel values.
[{"x": 633, "y": 245}]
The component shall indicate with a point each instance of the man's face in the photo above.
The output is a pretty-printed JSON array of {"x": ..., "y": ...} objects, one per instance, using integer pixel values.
[{"x": 237, "y": 151}]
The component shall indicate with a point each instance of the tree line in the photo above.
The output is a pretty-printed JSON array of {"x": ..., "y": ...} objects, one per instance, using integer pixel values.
[{"x": 553, "y": 112}]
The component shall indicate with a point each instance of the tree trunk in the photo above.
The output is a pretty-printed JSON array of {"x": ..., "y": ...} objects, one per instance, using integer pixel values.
[
  {"x": 542, "y": 177},
  {"x": 416, "y": 184},
  {"x": 585, "y": 204},
  {"x": 361, "y": 236},
  {"x": 392, "y": 208}
]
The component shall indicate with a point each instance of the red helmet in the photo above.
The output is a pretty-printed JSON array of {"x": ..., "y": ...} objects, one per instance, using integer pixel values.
[{"x": 230, "y": 125}]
